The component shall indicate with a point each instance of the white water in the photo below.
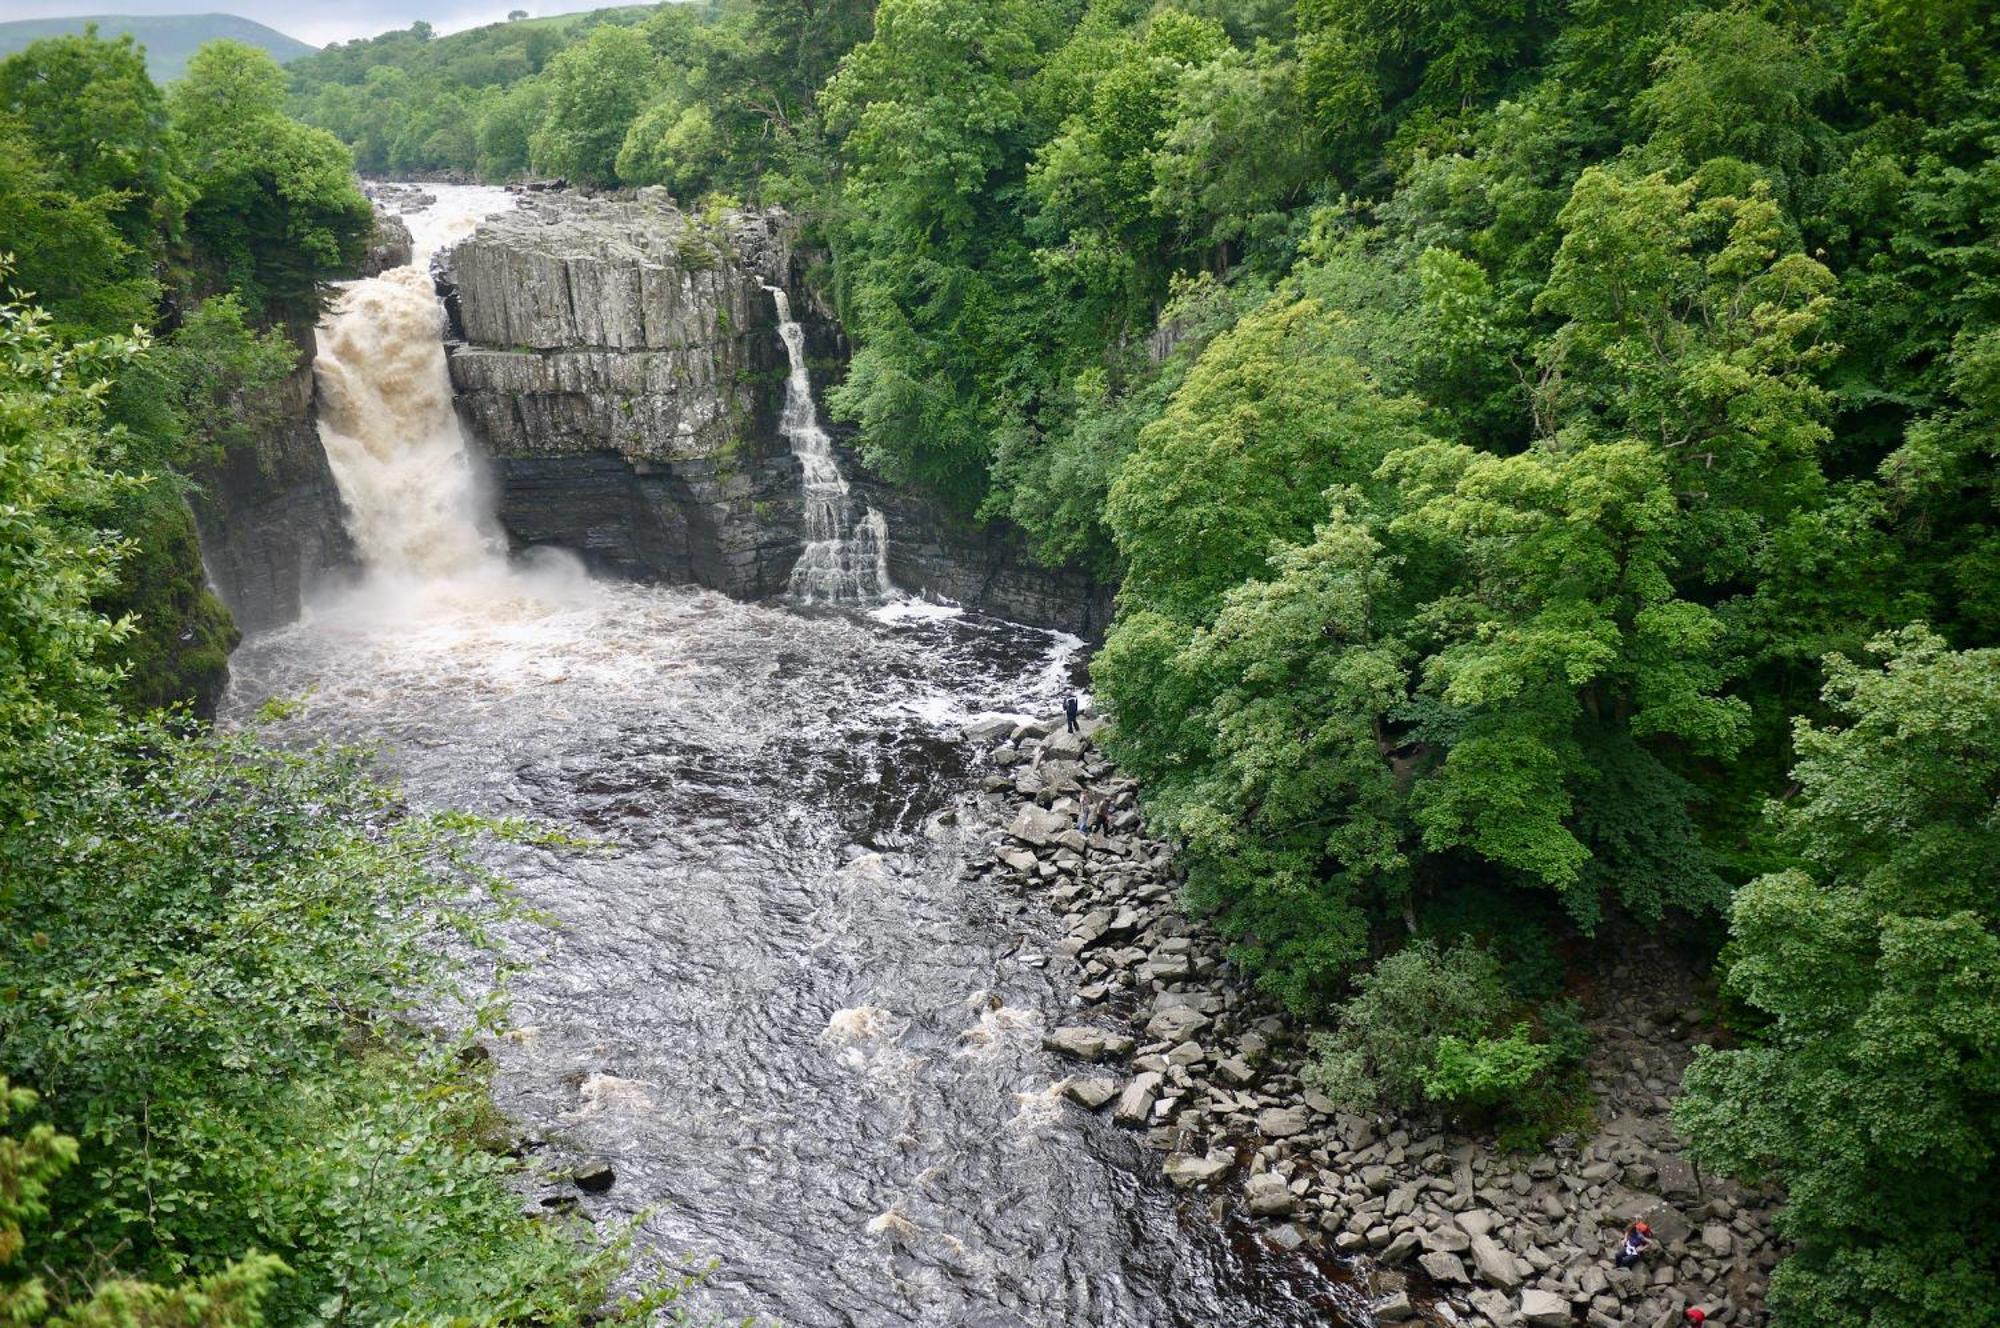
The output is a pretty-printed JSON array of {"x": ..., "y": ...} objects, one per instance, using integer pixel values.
[
  {"x": 774, "y": 997},
  {"x": 416, "y": 501},
  {"x": 839, "y": 565}
]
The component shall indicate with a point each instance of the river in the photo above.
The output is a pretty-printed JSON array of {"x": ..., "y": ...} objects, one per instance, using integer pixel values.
[{"x": 805, "y": 1038}]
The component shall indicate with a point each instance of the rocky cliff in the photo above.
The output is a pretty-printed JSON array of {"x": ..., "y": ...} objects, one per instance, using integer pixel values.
[
  {"x": 269, "y": 513},
  {"x": 619, "y": 361}
]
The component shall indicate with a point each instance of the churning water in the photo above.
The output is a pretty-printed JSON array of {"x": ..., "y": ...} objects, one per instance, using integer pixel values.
[{"x": 808, "y": 1044}]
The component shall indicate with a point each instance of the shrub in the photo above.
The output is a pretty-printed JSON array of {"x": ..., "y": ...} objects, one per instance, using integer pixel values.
[
  {"x": 1485, "y": 1074},
  {"x": 1387, "y": 1037}
]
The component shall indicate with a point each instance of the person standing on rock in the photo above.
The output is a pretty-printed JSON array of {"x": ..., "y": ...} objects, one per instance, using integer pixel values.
[
  {"x": 1084, "y": 812},
  {"x": 1071, "y": 707},
  {"x": 1637, "y": 1237}
]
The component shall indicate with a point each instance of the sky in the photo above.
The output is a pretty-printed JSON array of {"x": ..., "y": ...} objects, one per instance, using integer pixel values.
[{"x": 315, "y": 22}]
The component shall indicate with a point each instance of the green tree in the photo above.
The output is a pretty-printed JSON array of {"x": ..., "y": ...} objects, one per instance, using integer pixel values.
[
  {"x": 56, "y": 459},
  {"x": 276, "y": 211},
  {"x": 31, "y": 1160},
  {"x": 1871, "y": 1094},
  {"x": 1266, "y": 421},
  {"x": 594, "y": 90},
  {"x": 90, "y": 107}
]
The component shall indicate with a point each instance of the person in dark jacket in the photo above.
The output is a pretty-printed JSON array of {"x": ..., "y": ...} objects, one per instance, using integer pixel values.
[
  {"x": 1637, "y": 1237},
  {"x": 1070, "y": 709}
]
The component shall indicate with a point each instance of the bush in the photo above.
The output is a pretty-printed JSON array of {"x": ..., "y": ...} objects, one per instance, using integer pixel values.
[
  {"x": 1485, "y": 1074},
  {"x": 214, "y": 957},
  {"x": 1386, "y": 1042}
]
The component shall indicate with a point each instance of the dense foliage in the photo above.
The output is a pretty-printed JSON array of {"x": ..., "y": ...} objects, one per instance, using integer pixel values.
[
  {"x": 1495, "y": 416},
  {"x": 1876, "y": 958},
  {"x": 218, "y": 1106}
]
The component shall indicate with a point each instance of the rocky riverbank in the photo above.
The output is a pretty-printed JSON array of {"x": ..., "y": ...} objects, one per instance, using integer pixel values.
[{"x": 1439, "y": 1226}]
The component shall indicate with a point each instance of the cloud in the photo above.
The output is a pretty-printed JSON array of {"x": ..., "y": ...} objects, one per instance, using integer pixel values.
[{"x": 319, "y": 24}]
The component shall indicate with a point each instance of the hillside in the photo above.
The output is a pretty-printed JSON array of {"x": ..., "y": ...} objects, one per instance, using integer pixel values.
[{"x": 169, "y": 39}]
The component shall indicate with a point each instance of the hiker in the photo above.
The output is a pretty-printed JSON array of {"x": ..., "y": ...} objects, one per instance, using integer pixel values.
[
  {"x": 1085, "y": 812},
  {"x": 1104, "y": 815},
  {"x": 1695, "y": 1316},
  {"x": 1070, "y": 709},
  {"x": 1637, "y": 1237}
]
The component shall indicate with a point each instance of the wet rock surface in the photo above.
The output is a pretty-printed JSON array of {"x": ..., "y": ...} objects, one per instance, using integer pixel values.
[
  {"x": 269, "y": 512},
  {"x": 1437, "y": 1226},
  {"x": 619, "y": 361}
]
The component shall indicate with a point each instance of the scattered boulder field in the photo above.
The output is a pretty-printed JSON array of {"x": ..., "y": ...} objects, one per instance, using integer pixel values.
[{"x": 1171, "y": 1041}]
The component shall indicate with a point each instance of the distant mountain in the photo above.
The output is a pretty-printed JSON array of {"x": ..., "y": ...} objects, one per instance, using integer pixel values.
[{"x": 169, "y": 39}]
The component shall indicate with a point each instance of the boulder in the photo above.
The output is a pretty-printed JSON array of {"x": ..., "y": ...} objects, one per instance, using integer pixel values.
[
  {"x": 1400, "y": 1249},
  {"x": 1038, "y": 826},
  {"x": 1395, "y": 1309},
  {"x": 593, "y": 1177},
  {"x": 1184, "y": 1170},
  {"x": 1495, "y": 1265},
  {"x": 1086, "y": 1043},
  {"x": 1090, "y": 1094},
  {"x": 1267, "y": 1195},
  {"x": 1443, "y": 1267},
  {"x": 1287, "y": 1237},
  {"x": 1235, "y": 1071},
  {"x": 1543, "y": 1309},
  {"x": 1062, "y": 747},
  {"x": 1282, "y": 1122},
  {"x": 1176, "y": 1024},
  {"x": 1135, "y": 1104}
]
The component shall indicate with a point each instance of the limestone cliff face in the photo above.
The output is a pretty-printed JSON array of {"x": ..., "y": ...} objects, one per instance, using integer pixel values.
[
  {"x": 269, "y": 513},
  {"x": 619, "y": 361}
]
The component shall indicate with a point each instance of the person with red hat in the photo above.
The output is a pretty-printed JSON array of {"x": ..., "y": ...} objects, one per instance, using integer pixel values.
[
  {"x": 1696, "y": 1316},
  {"x": 1637, "y": 1237}
]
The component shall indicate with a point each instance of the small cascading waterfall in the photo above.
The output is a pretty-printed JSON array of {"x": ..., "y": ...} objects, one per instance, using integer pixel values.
[{"x": 842, "y": 563}]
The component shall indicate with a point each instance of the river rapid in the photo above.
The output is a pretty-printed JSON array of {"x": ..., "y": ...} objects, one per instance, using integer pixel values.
[{"x": 804, "y": 1037}]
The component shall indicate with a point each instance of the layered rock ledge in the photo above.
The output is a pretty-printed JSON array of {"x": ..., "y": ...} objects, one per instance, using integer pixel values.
[
  {"x": 619, "y": 361},
  {"x": 1437, "y": 1225}
]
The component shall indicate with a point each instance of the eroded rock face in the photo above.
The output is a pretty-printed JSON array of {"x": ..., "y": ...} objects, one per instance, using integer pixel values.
[
  {"x": 619, "y": 361},
  {"x": 269, "y": 512}
]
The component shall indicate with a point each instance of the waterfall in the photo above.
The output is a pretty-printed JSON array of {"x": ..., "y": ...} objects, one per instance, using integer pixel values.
[
  {"x": 840, "y": 564},
  {"x": 415, "y": 497},
  {"x": 391, "y": 436}
]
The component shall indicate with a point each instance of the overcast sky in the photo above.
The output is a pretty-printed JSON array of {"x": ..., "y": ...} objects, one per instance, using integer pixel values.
[{"x": 318, "y": 23}]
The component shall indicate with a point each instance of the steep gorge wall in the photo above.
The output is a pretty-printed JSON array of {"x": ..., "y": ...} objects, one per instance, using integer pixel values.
[
  {"x": 619, "y": 362},
  {"x": 269, "y": 513}
]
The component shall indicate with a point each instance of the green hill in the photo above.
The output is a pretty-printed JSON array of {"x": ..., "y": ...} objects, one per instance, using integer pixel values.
[{"x": 169, "y": 39}]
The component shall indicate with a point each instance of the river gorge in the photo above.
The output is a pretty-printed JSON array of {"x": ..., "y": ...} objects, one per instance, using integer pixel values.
[{"x": 806, "y": 1039}]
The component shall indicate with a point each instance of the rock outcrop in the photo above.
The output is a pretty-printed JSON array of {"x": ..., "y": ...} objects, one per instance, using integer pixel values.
[
  {"x": 619, "y": 361},
  {"x": 269, "y": 512}
]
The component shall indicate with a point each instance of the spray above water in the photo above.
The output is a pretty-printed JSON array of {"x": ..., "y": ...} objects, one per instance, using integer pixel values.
[{"x": 841, "y": 564}]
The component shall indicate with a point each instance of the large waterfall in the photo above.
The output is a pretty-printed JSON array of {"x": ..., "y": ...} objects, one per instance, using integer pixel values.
[
  {"x": 414, "y": 497},
  {"x": 841, "y": 564}
]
